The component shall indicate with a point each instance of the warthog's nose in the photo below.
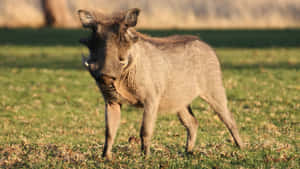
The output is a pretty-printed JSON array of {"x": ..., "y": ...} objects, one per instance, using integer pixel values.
[{"x": 107, "y": 79}]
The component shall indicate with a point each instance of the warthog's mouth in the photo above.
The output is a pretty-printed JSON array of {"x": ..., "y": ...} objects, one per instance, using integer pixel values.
[
  {"x": 90, "y": 66},
  {"x": 106, "y": 79}
]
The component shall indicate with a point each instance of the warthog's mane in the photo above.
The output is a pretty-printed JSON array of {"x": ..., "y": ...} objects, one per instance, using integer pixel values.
[{"x": 167, "y": 41}]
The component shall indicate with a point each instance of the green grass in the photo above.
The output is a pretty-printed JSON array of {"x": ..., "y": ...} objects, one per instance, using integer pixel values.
[{"x": 52, "y": 115}]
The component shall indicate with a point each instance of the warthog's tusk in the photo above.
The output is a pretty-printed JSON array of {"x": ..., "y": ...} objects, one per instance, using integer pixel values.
[
  {"x": 86, "y": 64},
  {"x": 84, "y": 61}
]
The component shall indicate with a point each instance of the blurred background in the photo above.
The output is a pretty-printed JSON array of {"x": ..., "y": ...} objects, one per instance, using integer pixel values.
[
  {"x": 52, "y": 114},
  {"x": 161, "y": 14}
]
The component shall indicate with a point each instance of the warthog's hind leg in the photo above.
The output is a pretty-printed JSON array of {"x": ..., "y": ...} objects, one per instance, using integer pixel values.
[
  {"x": 189, "y": 121},
  {"x": 230, "y": 123},
  {"x": 218, "y": 101}
]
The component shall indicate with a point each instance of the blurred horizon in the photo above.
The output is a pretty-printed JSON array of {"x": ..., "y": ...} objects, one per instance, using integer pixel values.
[{"x": 157, "y": 14}]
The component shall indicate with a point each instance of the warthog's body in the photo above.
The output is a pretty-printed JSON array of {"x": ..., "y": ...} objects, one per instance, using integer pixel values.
[
  {"x": 159, "y": 74},
  {"x": 173, "y": 71}
]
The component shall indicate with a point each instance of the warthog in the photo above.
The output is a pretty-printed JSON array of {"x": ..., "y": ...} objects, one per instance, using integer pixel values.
[{"x": 158, "y": 74}]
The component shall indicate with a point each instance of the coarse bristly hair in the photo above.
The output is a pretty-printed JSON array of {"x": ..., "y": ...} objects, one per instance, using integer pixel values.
[{"x": 159, "y": 74}]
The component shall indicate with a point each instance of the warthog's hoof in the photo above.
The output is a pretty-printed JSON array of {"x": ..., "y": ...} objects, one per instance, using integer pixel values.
[
  {"x": 108, "y": 157},
  {"x": 190, "y": 153},
  {"x": 241, "y": 146}
]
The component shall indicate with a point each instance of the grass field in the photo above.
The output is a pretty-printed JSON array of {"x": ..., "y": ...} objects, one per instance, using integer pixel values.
[{"x": 52, "y": 115}]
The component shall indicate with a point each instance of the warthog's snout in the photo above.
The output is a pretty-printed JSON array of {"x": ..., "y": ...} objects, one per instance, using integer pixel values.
[{"x": 102, "y": 77}]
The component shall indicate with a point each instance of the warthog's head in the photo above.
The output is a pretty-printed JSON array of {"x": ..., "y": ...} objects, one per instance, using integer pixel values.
[{"x": 111, "y": 39}]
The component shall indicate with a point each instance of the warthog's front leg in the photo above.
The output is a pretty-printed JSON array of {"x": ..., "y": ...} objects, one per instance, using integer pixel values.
[
  {"x": 112, "y": 120},
  {"x": 148, "y": 124}
]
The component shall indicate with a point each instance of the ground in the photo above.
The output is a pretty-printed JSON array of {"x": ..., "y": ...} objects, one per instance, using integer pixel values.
[{"x": 52, "y": 114}]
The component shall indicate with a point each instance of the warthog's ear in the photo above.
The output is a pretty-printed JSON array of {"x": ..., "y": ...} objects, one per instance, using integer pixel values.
[
  {"x": 87, "y": 19},
  {"x": 131, "y": 17}
]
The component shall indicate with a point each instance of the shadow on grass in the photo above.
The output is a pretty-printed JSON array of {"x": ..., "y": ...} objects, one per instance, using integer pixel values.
[
  {"x": 216, "y": 38},
  {"x": 53, "y": 64},
  {"x": 41, "y": 37},
  {"x": 241, "y": 38},
  {"x": 281, "y": 65}
]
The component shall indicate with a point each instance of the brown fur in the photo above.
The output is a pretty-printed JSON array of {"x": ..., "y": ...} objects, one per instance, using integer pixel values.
[{"x": 158, "y": 74}]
